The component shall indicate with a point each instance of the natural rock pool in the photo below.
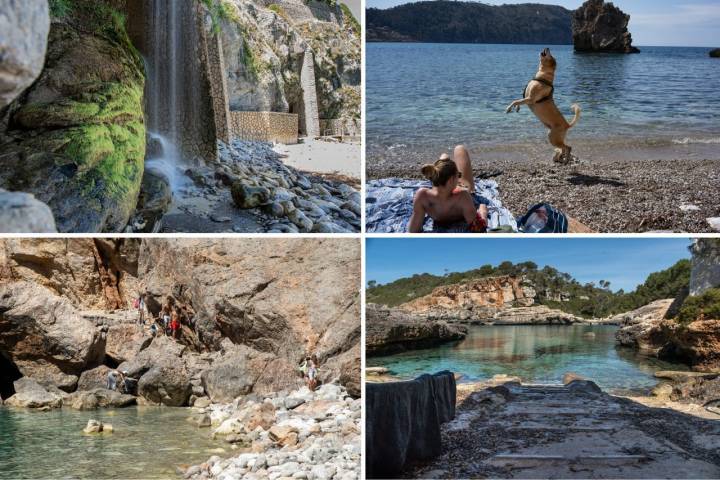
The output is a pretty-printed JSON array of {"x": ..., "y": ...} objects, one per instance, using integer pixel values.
[
  {"x": 148, "y": 442},
  {"x": 536, "y": 354}
]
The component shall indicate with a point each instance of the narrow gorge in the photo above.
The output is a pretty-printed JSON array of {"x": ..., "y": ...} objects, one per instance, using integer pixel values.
[{"x": 69, "y": 319}]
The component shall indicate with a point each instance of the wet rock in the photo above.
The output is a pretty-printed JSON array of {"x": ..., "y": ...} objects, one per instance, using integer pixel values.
[
  {"x": 571, "y": 377},
  {"x": 96, "y": 426},
  {"x": 601, "y": 27},
  {"x": 585, "y": 386},
  {"x": 30, "y": 394},
  {"x": 25, "y": 25},
  {"x": 98, "y": 398},
  {"x": 246, "y": 196},
  {"x": 22, "y": 213}
]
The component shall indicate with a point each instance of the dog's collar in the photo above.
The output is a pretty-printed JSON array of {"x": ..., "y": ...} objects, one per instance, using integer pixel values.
[{"x": 542, "y": 80}]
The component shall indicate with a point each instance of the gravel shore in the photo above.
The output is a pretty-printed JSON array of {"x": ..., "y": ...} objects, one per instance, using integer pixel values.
[{"x": 609, "y": 197}]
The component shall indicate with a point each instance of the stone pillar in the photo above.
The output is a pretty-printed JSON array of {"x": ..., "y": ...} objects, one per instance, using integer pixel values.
[
  {"x": 705, "y": 272},
  {"x": 311, "y": 117},
  {"x": 218, "y": 87}
]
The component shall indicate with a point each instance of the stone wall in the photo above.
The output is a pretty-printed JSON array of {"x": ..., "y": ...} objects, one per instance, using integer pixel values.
[
  {"x": 337, "y": 127},
  {"x": 265, "y": 126}
]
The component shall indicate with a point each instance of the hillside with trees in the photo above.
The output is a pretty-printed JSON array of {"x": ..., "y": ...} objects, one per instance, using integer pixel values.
[
  {"x": 470, "y": 22},
  {"x": 554, "y": 288}
]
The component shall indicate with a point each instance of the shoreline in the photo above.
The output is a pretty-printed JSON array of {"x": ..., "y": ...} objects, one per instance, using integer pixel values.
[
  {"x": 621, "y": 196},
  {"x": 323, "y": 157}
]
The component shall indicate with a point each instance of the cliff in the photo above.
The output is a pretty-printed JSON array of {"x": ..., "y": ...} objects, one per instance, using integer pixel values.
[
  {"x": 498, "y": 300},
  {"x": 601, "y": 27},
  {"x": 258, "y": 307},
  {"x": 470, "y": 22},
  {"x": 390, "y": 331}
]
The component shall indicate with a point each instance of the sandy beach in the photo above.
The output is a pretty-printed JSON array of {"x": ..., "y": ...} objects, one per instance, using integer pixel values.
[
  {"x": 621, "y": 196},
  {"x": 323, "y": 157}
]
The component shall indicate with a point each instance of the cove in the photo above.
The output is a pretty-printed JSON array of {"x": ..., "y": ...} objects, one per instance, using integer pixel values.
[
  {"x": 148, "y": 442},
  {"x": 536, "y": 354}
]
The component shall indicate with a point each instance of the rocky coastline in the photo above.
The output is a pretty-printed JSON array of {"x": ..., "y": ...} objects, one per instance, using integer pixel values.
[
  {"x": 299, "y": 434},
  {"x": 598, "y": 26}
]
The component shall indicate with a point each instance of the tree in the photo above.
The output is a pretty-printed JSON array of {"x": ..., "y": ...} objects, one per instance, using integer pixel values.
[{"x": 372, "y": 284}]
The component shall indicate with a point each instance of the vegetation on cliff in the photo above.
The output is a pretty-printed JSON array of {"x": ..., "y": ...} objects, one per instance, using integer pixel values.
[
  {"x": 701, "y": 307},
  {"x": 555, "y": 289},
  {"x": 444, "y": 21}
]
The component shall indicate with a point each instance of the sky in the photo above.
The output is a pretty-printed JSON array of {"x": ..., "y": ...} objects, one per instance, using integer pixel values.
[
  {"x": 625, "y": 262},
  {"x": 690, "y": 23}
]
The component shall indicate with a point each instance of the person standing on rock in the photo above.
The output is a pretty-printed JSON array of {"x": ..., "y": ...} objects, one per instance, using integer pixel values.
[
  {"x": 166, "y": 320},
  {"x": 312, "y": 373},
  {"x": 113, "y": 379},
  {"x": 140, "y": 306},
  {"x": 175, "y": 323}
]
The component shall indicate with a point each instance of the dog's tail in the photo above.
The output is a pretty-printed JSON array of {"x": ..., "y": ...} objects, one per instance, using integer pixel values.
[{"x": 575, "y": 108}]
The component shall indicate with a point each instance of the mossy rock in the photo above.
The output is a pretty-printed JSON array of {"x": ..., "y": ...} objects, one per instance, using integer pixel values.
[{"x": 77, "y": 137}]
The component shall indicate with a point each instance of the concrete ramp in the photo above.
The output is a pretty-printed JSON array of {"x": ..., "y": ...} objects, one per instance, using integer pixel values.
[{"x": 577, "y": 431}]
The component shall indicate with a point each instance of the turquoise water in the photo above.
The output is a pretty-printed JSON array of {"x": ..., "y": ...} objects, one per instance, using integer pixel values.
[
  {"x": 535, "y": 353},
  {"x": 425, "y": 97},
  {"x": 148, "y": 443}
]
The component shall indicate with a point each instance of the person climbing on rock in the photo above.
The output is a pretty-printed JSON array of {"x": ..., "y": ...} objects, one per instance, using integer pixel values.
[
  {"x": 175, "y": 323},
  {"x": 114, "y": 378},
  {"x": 166, "y": 320},
  {"x": 140, "y": 307}
]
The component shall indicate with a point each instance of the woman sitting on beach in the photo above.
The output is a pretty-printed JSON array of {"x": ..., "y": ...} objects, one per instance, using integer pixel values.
[{"x": 450, "y": 200}]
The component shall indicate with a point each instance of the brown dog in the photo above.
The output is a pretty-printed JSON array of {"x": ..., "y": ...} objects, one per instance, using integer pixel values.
[{"x": 538, "y": 97}]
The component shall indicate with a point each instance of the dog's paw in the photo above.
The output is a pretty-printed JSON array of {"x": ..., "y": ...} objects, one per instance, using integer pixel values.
[{"x": 510, "y": 108}]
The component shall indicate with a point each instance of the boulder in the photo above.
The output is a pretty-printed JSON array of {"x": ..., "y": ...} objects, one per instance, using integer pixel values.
[
  {"x": 350, "y": 377},
  {"x": 246, "y": 196},
  {"x": 234, "y": 374},
  {"x": 571, "y": 377},
  {"x": 23, "y": 213},
  {"x": 601, "y": 27},
  {"x": 162, "y": 373},
  {"x": 393, "y": 330},
  {"x": 93, "y": 378},
  {"x": 98, "y": 398},
  {"x": 30, "y": 394},
  {"x": 96, "y": 426},
  {"x": 641, "y": 328},
  {"x": 125, "y": 341},
  {"x": 403, "y": 421},
  {"x": 25, "y": 25},
  {"x": 45, "y": 337},
  {"x": 714, "y": 53}
]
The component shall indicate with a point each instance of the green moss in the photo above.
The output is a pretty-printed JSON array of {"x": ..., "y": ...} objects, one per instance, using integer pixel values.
[
  {"x": 221, "y": 10},
  {"x": 701, "y": 307},
  {"x": 60, "y": 8}
]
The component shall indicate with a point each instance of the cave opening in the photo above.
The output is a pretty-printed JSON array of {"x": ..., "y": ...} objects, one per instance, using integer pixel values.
[
  {"x": 8, "y": 374},
  {"x": 111, "y": 362}
]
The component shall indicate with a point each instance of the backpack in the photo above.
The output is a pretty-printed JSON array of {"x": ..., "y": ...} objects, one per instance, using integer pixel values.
[{"x": 534, "y": 221}]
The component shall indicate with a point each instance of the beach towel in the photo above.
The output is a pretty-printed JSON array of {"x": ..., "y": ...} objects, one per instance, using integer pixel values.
[{"x": 389, "y": 204}]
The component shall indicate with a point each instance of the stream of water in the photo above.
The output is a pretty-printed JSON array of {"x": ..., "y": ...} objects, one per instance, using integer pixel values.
[
  {"x": 148, "y": 443},
  {"x": 536, "y": 354}
]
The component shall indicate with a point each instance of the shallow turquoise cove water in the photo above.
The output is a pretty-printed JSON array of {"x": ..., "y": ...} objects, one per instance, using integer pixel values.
[
  {"x": 148, "y": 443},
  {"x": 537, "y": 354}
]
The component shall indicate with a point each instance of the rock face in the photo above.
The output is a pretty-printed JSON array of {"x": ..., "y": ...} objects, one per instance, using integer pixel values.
[
  {"x": 45, "y": 337},
  {"x": 503, "y": 300},
  {"x": 641, "y": 328},
  {"x": 390, "y": 331},
  {"x": 258, "y": 308},
  {"x": 265, "y": 43},
  {"x": 25, "y": 25},
  {"x": 705, "y": 273},
  {"x": 76, "y": 138},
  {"x": 601, "y": 27},
  {"x": 403, "y": 421}
]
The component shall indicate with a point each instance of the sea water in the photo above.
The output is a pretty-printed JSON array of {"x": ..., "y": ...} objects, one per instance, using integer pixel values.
[
  {"x": 423, "y": 99},
  {"x": 536, "y": 354},
  {"x": 148, "y": 442}
]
